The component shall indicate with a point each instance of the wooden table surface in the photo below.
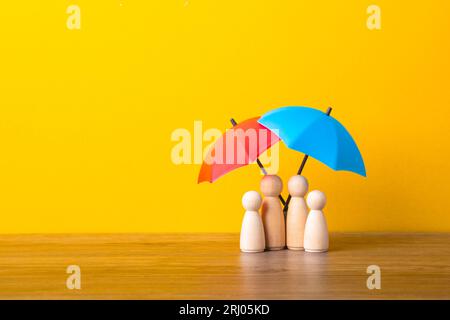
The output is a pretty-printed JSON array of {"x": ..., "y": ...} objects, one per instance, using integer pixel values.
[{"x": 210, "y": 266}]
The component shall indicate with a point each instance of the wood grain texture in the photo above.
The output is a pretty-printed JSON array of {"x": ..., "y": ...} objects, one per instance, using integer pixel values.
[{"x": 210, "y": 266}]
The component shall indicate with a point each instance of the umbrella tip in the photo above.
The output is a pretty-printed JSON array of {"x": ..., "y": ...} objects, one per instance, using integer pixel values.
[{"x": 329, "y": 110}]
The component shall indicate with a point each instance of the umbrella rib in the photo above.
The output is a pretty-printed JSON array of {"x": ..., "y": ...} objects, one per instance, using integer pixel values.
[{"x": 260, "y": 165}]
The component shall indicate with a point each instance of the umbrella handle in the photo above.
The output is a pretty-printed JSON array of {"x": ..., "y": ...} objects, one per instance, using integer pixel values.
[
  {"x": 260, "y": 165},
  {"x": 300, "y": 169}
]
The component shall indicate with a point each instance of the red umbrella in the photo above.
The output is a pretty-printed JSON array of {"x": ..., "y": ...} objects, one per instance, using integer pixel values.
[{"x": 236, "y": 148}]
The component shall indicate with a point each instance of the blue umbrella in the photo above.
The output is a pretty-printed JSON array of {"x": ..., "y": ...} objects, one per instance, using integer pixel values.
[{"x": 316, "y": 134}]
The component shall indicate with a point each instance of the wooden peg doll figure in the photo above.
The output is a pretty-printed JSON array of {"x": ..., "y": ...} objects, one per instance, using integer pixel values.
[
  {"x": 297, "y": 212},
  {"x": 272, "y": 213},
  {"x": 252, "y": 230},
  {"x": 316, "y": 229}
]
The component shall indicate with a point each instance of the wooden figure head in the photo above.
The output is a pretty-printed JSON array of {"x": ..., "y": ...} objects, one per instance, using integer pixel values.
[
  {"x": 251, "y": 201},
  {"x": 271, "y": 185},
  {"x": 298, "y": 186},
  {"x": 316, "y": 200}
]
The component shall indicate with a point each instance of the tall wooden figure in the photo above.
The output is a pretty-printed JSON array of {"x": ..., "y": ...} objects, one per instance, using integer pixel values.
[
  {"x": 316, "y": 230},
  {"x": 252, "y": 230},
  {"x": 297, "y": 213},
  {"x": 272, "y": 213}
]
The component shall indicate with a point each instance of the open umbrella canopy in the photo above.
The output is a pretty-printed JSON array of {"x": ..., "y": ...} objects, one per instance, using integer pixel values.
[
  {"x": 316, "y": 134},
  {"x": 236, "y": 148}
]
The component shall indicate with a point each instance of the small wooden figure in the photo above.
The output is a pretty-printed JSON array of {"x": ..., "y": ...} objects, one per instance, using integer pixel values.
[
  {"x": 316, "y": 230},
  {"x": 297, "y": 212},
  {"x": 272, "y": 213},
  {"x": 252, "y": 230}
]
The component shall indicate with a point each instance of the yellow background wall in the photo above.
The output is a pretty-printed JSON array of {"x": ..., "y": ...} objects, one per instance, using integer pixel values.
[{"x": 86, "y": 115}]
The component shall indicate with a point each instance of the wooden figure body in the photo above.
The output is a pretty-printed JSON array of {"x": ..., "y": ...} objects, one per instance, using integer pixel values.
[
  {"x": 316, "y": 229},
  {"x": 252, "y": 230},
  {"x": 272, "y": 213},
  {"x": 297, "y": 212}
]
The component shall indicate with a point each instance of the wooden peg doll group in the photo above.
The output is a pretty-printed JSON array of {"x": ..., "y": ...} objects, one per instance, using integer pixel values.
[{"x": 271, "y": 231}]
